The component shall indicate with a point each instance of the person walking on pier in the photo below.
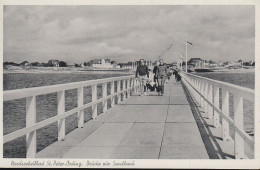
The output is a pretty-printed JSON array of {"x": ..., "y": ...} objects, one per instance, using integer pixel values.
[
  {"x": 155, "y": 79},
  {"x": 142, "y": 74},
  {"x": 161, "y": 74},
  {"x": 177, "y": 75}
]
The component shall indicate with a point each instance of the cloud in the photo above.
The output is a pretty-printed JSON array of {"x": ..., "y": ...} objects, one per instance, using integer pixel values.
[{"x": 81, "y": 33}]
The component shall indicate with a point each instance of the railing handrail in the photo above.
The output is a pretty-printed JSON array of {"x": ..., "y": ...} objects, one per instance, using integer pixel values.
[
  {"x": 247, "y": 93},
  {"x": 206, "y": 91},
  {"x": 36, "y": 91},
  {"x": 130, "y": 85},
  {"x": 21, "y": 132},
  {"x": 232, "y": 123}
]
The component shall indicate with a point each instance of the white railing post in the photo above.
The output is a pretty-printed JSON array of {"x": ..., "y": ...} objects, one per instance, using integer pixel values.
[
  {"x": 31, "y": 120},
  {"x": 210, "y": 98},
  {"x": 80, "y": 104},
  {"x": 128, "y": 87},
  {"x": 94, "y": 98},
  {"x": 104, "y": 94},
  {"x": 239, "y": 122},
  {"x": 136, "y": 85},
  {"x": 203, "y": 94},
  {"x": 225, "y": 111},
  {"x": 196, "y": 86},
  {"x": 131, "y": 85},
  {"x": 206, "y": 97},
  {"x": 216, "y": 104},
  {"x": 112, "y": 92},
  {"x": 124, "y": 93},
  {"x": 200, "y": 90},
  {"x": 118, "y": 90},
  {"x": 61, "y": 110}
]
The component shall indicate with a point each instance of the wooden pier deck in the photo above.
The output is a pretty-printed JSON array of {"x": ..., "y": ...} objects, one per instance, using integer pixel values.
[{"x": 148, "y": 127}]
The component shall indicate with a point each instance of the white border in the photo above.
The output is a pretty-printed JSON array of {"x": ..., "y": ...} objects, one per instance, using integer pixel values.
[{"x": 153, "y": 163}]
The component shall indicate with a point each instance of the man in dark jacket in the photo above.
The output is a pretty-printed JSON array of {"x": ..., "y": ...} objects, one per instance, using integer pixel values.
[
  {"x": 142, "y": 74},
  {"x": 161, "y": 74}
]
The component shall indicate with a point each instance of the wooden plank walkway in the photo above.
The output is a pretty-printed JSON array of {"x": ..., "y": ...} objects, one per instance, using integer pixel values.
[{"x": 148, "y": 127}]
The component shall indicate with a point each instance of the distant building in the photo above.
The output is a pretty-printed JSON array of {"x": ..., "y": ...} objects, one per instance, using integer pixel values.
[
  {"x": 196, "y": 62},
  {"x": 54, "y": 63},
  {"x": 25, "y": 63},
  {"x": 251, "y": 63},
  {"x": 232, "y": 64},
  {"x": 100, "y": 63},
  {"x": 128, "y": 65},
  {"x": 70, "y": 64},
  {"x": 241, "y": 62},
  {"x": 213, "y": 64},
  {"x": 115, "y": 65},
  {"x": 35, "y": 64}
]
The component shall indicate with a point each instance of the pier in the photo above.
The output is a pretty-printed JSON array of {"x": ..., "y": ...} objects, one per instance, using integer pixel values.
[{"x": 185, "y": 123}]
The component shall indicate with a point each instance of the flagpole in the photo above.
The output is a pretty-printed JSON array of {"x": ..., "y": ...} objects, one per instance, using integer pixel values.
[{"x": 186, "y": 58}]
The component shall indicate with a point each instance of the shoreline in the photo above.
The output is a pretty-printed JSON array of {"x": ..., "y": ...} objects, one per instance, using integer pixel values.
[
  {"x": 34, "y": 71},
  {"x": 252, "y": 70}
]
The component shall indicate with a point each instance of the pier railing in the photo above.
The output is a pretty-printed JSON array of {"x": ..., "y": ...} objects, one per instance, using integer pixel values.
[
  {"x": 206, "y": 92},
  {"x": 129, "y": 86}
]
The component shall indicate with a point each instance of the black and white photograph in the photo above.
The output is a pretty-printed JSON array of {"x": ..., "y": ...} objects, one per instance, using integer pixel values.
[{"x": 122, "y": 85}]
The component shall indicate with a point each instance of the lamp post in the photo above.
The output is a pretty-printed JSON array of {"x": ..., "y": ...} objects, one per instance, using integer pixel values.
[{"x": 187, "y": 42}]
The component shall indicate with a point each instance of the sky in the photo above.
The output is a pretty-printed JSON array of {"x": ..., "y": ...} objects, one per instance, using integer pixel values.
[{"x": 128, "y": 33}]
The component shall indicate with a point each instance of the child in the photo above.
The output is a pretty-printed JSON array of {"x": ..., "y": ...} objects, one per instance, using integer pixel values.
[{"x": 150, "y": 82}]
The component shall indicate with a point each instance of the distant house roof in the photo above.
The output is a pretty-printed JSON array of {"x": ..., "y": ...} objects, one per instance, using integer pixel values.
[
  {"x": 194, "y": 60},
  {"x": 54, "y": 60},
  {"x": 25, "y": 63},
  {"x": 99, "y": 61}
]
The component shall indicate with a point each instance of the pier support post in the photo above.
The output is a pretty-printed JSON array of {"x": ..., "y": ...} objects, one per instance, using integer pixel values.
[
  {"x": 30, "y": 120},
  {"x": 94, "y": 98},
  {"x": 112, "y": 92},
  {"x": 210, "y": 98},
  {"x": 80, "y": 104},
  {"x": 225, "y": 111},
  {"x": 239, "y": 122},
  {"x": 61, "y": 110},
  {"x": 104, "y": 94},
  {"x": 216, "y": 104},
  {"x": 118, "y": 90}
]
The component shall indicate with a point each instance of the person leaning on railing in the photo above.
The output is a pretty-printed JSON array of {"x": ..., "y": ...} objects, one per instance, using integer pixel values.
[{"x": 142, "y": 74}]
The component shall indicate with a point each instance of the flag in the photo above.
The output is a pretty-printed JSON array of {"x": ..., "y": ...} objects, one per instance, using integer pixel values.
[{"x": 189, "y": 42}]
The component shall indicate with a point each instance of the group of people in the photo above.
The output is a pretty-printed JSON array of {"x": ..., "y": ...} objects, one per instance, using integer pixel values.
[{"x": 155, "y": 79}]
